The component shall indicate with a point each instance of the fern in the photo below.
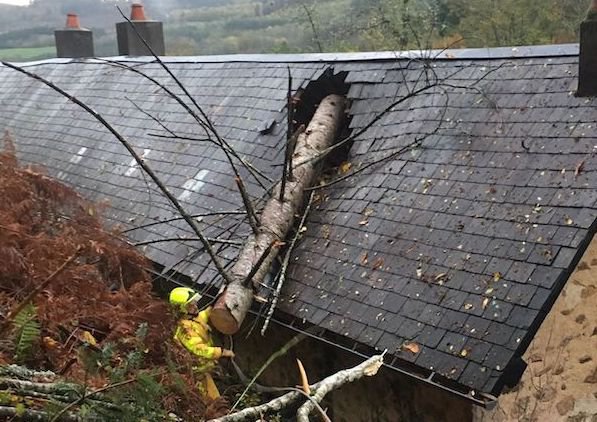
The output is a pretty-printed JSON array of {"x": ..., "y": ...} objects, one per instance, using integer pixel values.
[{"x": 27, "y": 333}]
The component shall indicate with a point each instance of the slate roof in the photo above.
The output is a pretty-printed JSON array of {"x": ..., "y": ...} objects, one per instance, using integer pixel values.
[{"x": 460, "y": 246}]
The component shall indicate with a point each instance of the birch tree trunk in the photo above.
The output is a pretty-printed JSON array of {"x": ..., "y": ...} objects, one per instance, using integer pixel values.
[{"x": 277, "y": 218}]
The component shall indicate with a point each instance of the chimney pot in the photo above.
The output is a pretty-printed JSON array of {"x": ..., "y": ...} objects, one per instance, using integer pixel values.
[
  {"x": 72, "y": 21},
  {"x": 74, "y": 41},
  {"x": 129, "y": 43},
  {"x": 138, "y": 12}
]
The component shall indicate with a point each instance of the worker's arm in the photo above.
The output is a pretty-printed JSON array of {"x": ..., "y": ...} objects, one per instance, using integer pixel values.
[{"x": 197, "y": 347}]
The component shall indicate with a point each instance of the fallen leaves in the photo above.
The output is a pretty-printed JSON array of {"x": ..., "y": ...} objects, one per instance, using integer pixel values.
[
  {"x": 414, "y": 348},
  {"x": 378, "y": 263},
  {"x": 345, "y": 167},
  {"x": 579, "y": 168}
]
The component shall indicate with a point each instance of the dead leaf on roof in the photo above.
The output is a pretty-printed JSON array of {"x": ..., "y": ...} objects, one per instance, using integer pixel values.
[
  {"x": 414, "y": 348},
  {"x": 485, "y": 302},
  {"x": 441, "y": 278},
  {"x": 365, "y": 258},
  {"x": 363, "y": 222},
  {"x": 468, "y": 306},
  {"x": 325, "y": 231},
  {"x": 579, "y": 168},
  {"x": 368, "y": 212},
  {"x": 568, "y": 220},
  {"x": 345, "y": 167},
  {"x": 378, "y": 263},
  {"x": 497, "y": 276},
  {"x": 464, "y": 353}
]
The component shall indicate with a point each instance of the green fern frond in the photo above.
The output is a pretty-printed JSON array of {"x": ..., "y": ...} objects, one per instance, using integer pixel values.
[{"x": 27, "y": 333}]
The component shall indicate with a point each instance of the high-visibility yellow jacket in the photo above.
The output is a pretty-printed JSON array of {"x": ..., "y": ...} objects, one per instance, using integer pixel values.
[{"x": 194, "y": 335}]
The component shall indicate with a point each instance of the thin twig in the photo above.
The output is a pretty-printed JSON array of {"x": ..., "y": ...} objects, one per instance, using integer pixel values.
[
  {"x": 291, "y": 343},
  {"x": 171, "y": 220},
  {"x": 252, "y": 217},
  {"x": 285, "y": 263},
  {"x": 189, "y": 239},
  {"x": 187, "y": 217},
  {"x": 313, "y": 27}
]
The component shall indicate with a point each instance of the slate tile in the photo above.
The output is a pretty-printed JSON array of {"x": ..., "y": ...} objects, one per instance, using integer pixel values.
[
  {"x": 520, "y": 272},
  {"x": 565, "y": 257},
  {"x": 475, "y": 327},
  {"x": 441, "y": 363},
  {"x": 476, "y": 350},
  {"x": 522, "y": 317},
  {"x": 452, "y": 343},
  {"x": 475, "y": 376},
  {"x": 544, "y": 276},
  {"x": 521, "y": 294},
  {"x": 498, "y": 333},
  {"x": 497, "y": 358}
]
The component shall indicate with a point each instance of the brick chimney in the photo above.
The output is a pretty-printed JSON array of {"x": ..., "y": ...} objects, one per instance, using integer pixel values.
[
  {"x": 587, "y": 61},
  {"x": 74, "y": 41},
  {"x": 152, "y": 31}
]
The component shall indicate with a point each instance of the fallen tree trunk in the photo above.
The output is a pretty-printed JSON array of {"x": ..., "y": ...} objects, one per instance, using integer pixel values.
[{"x": 277, "y": 218}]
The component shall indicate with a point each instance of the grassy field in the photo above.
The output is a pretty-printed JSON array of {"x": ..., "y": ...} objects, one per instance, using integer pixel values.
[{"x": 27, "y": 54}]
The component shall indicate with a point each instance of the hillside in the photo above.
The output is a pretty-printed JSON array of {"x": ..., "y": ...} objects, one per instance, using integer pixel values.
[{"x": 249, "y": 26}]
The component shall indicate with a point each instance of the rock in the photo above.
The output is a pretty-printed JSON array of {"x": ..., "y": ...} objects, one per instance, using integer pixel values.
[
  {"x": 543, "y": 371},
  {"x": 588, "y": 292},
  {"x": 585, "y": 359},
  {"x": 566, "y": 312},
  {"x": 580, "y": 319},
  {"x": 559, "y": 370},
  {"x": 535, "y": 357},
  {"x": 565, "y": 405},
  {"x": 594, "y": 332},
  {"x": 594, "y": 261},
  {"x": 583, "y": 266},
  {"x": 546, "y": 394},
  {"x": 563, "y": 387},
  {"x": 592, "y": 379}
]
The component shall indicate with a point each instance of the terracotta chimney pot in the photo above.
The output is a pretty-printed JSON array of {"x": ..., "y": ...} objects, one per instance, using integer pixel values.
[
  {"x": 72, "y": 21},
  {"x": 138, "y": 12}
]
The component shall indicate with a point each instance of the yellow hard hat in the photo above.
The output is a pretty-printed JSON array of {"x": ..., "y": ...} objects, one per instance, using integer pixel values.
[{"x": 183, "y": 296}]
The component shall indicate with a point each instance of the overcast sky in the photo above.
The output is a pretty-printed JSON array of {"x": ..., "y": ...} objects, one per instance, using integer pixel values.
[{"x": 17, "y": 2}]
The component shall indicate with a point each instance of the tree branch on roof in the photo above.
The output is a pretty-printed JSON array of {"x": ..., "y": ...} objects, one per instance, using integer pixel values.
[
  {"x": 203, "y": 120},
  {"x": 140, "y": 161}
]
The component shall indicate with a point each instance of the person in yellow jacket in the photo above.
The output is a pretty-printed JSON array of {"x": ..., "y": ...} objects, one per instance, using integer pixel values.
[{"x": 194, "y": 334}]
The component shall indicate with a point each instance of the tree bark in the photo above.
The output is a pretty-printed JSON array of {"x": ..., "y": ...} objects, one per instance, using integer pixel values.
[{"x": 277, "y": 217}]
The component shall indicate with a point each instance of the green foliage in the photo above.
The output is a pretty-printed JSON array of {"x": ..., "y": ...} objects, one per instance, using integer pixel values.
[
  {"x": 26, "y": 54},
  {"x": 27, "y": 333}
]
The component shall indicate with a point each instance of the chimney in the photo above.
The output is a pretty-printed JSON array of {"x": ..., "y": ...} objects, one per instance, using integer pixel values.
[
  {"x": 129, "y": 43},
  {"x": 74, "y": 41},
  {"x": 587, "y": 61}
]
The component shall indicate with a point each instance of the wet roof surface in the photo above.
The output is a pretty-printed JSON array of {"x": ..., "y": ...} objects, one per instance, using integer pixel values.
[{"x": 458, "y": 245}]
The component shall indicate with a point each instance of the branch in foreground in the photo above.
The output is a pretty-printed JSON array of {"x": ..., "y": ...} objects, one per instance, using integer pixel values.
[
  {"x": 140, "y": 161},
  {"x": 368, "y": 368}
]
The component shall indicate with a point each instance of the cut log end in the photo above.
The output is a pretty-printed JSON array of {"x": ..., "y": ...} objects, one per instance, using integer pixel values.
[{"x": 223, "y": 321}]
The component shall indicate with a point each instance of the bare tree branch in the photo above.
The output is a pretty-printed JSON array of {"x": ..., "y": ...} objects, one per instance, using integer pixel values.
[
  {"x": 368, "y": 368},
  {"x": 177, "y": 205}
]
